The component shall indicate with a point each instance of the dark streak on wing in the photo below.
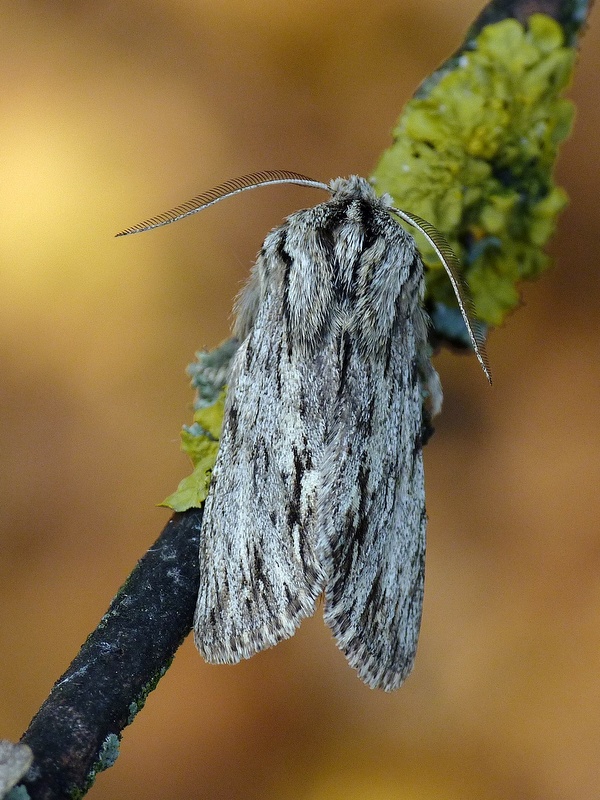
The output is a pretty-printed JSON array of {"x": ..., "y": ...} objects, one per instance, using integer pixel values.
[
  {"x": 372, "y": 603},
  {"x": 415, "y": 267},
  {"x": 233, "y": 420},
  {"x": 293, "y": 509},
  {"x": 414, "y": 371},
  {"x": 387, "y": 356},
  {"x": 417, "y": 448},
  {"x": 278, "y": 362},
  {"x": 261, "y": 585},
  {"x": 248, "y": 356},
  {"x": 308, "y": 462},
  {"x": 370, "y": 226},
  {"x": 327, "y": 235},
  {"x": 427, "y": 429},
  {"x": 288, "y": 263}
]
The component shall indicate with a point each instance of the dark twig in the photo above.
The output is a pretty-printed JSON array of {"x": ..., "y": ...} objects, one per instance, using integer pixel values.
[{"x": 119, "y": 664}]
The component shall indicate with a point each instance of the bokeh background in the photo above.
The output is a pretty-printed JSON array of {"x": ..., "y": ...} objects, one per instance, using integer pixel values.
[{"x": 114, "y": 111}]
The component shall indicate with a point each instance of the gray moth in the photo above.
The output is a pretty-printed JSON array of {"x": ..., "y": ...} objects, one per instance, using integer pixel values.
[{"x": 318, "y": 488}]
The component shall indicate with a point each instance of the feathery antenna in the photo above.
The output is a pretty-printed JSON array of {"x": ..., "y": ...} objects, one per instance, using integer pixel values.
[
  {"x": 452, "y": 266},
  {"x": 227, "y": 189}
]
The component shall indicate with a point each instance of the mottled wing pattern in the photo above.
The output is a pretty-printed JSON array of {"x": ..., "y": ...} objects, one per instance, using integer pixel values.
[
  {"x": 318, "y": 485},
  {"x": 372, "y": 518},
  {"x": 259, "y": 570}
]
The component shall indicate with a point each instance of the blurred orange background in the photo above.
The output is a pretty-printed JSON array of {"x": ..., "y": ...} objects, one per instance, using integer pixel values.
[{"x": 114, "y": 111}]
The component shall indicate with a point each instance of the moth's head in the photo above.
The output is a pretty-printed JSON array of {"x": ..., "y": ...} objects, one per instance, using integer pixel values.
[{"x": 354, "y": 187}]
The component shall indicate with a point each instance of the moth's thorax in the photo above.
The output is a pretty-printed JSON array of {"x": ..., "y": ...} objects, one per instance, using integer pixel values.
[{"x": 345, "y": 264}]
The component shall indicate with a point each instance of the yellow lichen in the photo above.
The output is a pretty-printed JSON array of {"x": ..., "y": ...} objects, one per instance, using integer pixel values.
[
  {"x": 201, "y": 443},
  {"x": 473, "y": 155}
]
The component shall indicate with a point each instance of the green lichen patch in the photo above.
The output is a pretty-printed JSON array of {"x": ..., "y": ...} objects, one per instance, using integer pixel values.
[
  {"x": 473, "y": 155},
  {"x": 109, "y": 752},
  {"x": 201, "y": 442}
]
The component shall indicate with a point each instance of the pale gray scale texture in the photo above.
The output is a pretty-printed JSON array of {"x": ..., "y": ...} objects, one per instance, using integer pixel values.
[
  {"x": 260, "y": 575},
  {"x": 318, "y": 485}
]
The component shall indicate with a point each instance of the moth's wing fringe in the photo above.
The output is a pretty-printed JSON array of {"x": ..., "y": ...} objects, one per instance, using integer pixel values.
[
  {"x": 249, "y": 643},
  {"x": 368, "y": 666}
]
